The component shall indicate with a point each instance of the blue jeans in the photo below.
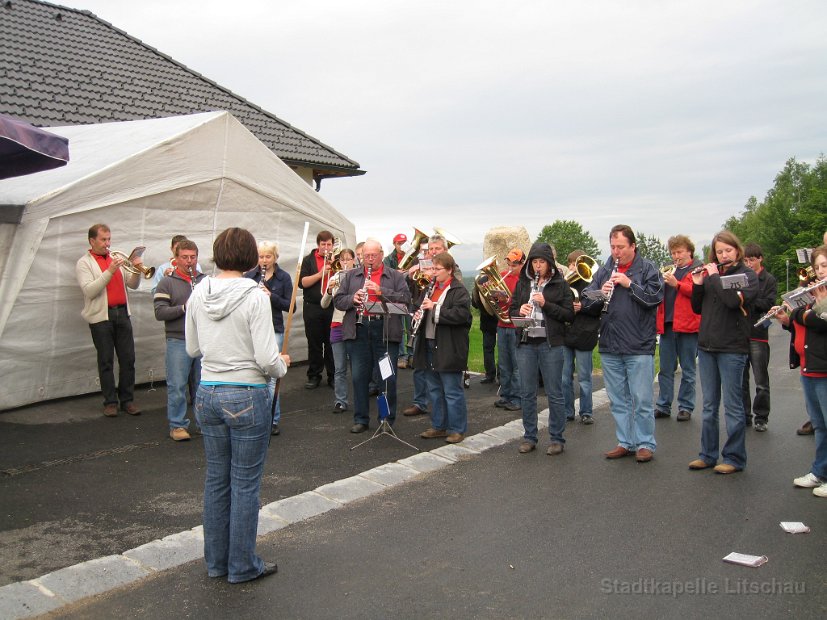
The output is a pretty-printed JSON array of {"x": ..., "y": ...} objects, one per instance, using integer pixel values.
[
  {"x": 677, "y": 347},
  {"x": 583, "y": 361},
  {"x": 447, "y": 394},
  {"x": 722, "y": 373},
  {"x": 365, "y": 352},
  {"x": 340, "y": 376},
  {"x": 272, "y": 384},
  {"x": 629, "y": 383},
  {"x": 759, "y": 359},
  {"x": 507, "y": 362},
  {"x": 179, "y": 367},
  {"x": 420, "y": 396},
  {"x": 542, "y": 358},
  {"x": 815, "y": 397},
  {"x": 235, "y": 422}
]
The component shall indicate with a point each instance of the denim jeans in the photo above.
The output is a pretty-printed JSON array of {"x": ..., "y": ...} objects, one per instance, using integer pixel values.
[
  {"x": 271, "y": 385},
  {"x": 235, "y": 422},
  {"x": 815, "y": 397},
  {"x": 420, "y": 396},
  {"x": 364, "y": 352},
  {"x": 179, "y": 368},
  {"x": 583, "y": 361},
  {"x": 542, "y": 358},
  {"x": 629, "y": 383},
  {"x": 677, "y": 347},
  {"x": 340, "y": 377},
  {"x": 114, "y": 337},
  {"x": 446, "y": 392},
  {"x": 759, "y": 359},
  {"x": 722, "y": 373},
  {"x": 507, "y": 361},
  {"x": 489, "y": 360}
]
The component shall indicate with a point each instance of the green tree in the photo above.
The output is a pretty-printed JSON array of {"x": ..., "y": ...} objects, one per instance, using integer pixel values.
[
  {"x": 792, "y": 215},
  {"x": 653, "y": 249},
  {"x": 567, "y": 236}
]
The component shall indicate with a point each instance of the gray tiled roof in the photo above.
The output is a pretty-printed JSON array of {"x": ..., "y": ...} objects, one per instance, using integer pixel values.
[{"x": 61, "y": 66}]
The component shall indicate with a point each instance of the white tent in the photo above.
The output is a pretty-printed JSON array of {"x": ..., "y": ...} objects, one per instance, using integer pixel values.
[{"x": 148, "y": 180}]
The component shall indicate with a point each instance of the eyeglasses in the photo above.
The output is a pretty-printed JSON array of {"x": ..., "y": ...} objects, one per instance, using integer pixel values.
[{"x": 371, "y": 256}]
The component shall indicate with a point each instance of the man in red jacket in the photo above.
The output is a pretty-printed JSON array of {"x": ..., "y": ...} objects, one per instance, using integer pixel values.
[{"x": 678, "y": 328}]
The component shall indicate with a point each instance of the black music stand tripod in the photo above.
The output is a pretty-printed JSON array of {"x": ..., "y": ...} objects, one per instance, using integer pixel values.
[{"x": 385, "y": 308}]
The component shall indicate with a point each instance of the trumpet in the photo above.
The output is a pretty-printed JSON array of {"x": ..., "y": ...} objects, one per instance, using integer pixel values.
[
  {"x": 668, "y": 270},
  {"x": 805, "y": 274},
  {"x": 128, "y": 265}
]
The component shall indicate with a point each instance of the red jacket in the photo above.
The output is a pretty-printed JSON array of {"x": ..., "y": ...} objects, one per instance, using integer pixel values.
[{"x": 684, "y": 320}]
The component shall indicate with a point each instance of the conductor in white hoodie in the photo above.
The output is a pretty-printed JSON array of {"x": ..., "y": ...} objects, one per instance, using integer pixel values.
[{"x": 229, "y": 324}]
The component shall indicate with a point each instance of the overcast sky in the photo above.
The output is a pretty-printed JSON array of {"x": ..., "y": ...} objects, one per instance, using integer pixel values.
[{"x": 468, "y": 115}]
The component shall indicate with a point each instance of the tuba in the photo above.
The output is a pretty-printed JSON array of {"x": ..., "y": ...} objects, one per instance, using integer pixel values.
[
  {"x": 491, "y": 289},
  {"x": 413, "y": 251},
  {"x": 128, "y": 265},
  {"x": 583, "y": 270},
  {"x": 450, "y": 240}
]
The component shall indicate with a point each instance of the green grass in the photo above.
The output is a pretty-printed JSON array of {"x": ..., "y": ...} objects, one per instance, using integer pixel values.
[{"x": 475, "y": 363}]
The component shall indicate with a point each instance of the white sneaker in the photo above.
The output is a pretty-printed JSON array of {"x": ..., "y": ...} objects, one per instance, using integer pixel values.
[
  {"x": 820, "y": 491},
  {"x": 808, "y": 482}
]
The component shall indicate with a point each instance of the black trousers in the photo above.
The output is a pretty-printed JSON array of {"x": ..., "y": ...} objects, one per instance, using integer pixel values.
[
  {"x": 317, "y": 330},
  {"x": 759, "y": 360},
  {"x": 114, "y": 337},
  {"x": 489, "y": 341}
]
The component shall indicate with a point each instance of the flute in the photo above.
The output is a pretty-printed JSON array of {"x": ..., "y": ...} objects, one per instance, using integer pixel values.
[
  {"x": 769, "y": 315},
  {"x": 702, "y": 268}
]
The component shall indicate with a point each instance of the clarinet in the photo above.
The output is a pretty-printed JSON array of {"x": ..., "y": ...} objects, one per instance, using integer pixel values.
[
  {"x": 360, "y": 311},
  {"x": 192, "y": 278},
  {"x": 418, "y": 320},
  {"x": 535, "y": 287},
  {"x": 612, "y": 290}
]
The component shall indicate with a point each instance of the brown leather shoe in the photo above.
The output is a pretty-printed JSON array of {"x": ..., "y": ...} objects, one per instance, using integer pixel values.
[
  {"x": 555, "y": 449},
  {"x": 684, "y": 416},
  {"x": 179, "y": 434},
  {"x": 433, "y": 433},
  {"x": 643, "y": 455},
  {"x": 110, "y": 411},
  {"x": 699, "y": 464},
  {"x": 526, "y": 447},
  {"x": 132, "y": 409},
  {"x": 455, "y": 438},
  {"x": 618, "y": 453},
  {"x": 726, "y": 468},
  {"x": 414, "y": 410},
  {"x": 806, "y": 429}
]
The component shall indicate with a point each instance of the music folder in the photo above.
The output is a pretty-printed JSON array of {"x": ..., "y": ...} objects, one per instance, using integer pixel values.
[
  {"x": 386, "y": 307},
  {"x": 522, "y": 321}
]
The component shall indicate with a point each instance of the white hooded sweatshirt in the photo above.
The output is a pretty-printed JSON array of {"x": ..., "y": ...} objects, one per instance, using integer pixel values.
[{"x": 229, "y": 323}]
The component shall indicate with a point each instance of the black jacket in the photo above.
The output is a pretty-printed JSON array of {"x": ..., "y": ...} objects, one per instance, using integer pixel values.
[
  {"x": 628, "y": 327},
  {"x": 724, "y": 326},
  {"x": 764, "y": 300},
  {"x": 581, "y": 333},
  {"x": 453, "y": 322},
  {"x": 558, "y": 308},
  {"x": 281, "y": 290},
  {"x": 815, "y": 340},
  {"x": 312, "y": 295}
]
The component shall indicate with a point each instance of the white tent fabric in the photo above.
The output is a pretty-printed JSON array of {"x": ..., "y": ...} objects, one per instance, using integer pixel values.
[{"x": 148, "y": 180}]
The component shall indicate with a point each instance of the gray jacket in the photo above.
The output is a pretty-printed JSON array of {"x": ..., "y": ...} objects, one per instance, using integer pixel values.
[
  {"x": 394, "y": 288},
  {"x": 171, "y": 295}
]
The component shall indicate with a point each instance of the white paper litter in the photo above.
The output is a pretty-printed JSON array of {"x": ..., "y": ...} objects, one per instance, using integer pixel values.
[
  {"x": 794, "y": 527},
  {"x": 746, "y": 560}
]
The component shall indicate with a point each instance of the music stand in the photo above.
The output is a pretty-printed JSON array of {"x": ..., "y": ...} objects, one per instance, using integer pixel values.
[{"x": 384, "y": 308}]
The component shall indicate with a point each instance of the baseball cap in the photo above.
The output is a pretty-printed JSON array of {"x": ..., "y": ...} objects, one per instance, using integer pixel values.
[
  {"x": 516, "y": 255},
  {"x": 400, "y": 237}
]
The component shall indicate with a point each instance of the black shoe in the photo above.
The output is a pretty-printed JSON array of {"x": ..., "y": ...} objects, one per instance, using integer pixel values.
[
  {"x": 487, "y": 380},
  {"x": 501, "y": 403},
  {"x": 512, "y": 407},
  {"x": 359, "y": 428},
  {"x": 374, "y": 392},
  {"x": 586, "y": 419},
  {"x": 270, "y": 568},
  {"x": 312, "y": 383},
  {"x": 339, "y": 408},
  {"x": 275, "y": 430},
  {"x": 661, "y": 414},
  {"x": 760, "y": 426}
]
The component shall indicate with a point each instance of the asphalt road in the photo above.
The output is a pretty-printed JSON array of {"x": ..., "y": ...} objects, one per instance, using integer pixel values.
[{"x": 497, "y": 535}]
